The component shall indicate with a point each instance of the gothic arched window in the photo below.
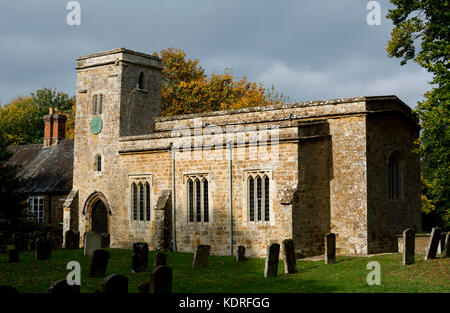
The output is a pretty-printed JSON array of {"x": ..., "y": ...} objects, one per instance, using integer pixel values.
[
  {"x": 197, "y": 198},
  {"x": 395, "y": 176},
  {"x": 135, "y": 200},
  {"x": 258, "y": 185},
  {"x": 147, "y": 201}
]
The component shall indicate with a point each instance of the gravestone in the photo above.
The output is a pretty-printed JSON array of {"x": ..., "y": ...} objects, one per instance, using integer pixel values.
[
  {"x": 61, "y": 287},
  {"x": 43, "y": 249},
  {"x": 33, "y": 237},
  {"x": 330, "y": 248},
  {"x": 161, "y": 280},
  {"x": 3, "y": 243},
  {"x": 72, "y": 240},
  {"x": 139, "y": 261},
  {"x": 114, "y": 285},
  {"x": 92, "y": 242},
  {"x": 56, "y": 238},
  {"x": 290, "y": 266},
  {"x": 446, "y": 251},
  {"x": 201, "y": 256},
  {"x": 7, "y": 290},
  {"x": 20, "y": 241},
  {"x": 99, "y": 263},
  {"x": 433, "y": 244},
  {"x": 273, "y": 254},
  {"x": 409, "y": 243},
  {"x": 160, "y": 259},
  {"x": 13, "y": 256},
  {"x": 105, "y": 241},
  {"x": 240, "y": 254}
]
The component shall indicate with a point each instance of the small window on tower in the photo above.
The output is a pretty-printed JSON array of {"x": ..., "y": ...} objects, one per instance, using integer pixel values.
[
  {"x": 141, "y": 81},
  {"x": 97, "y": 104},
  {"x": 98, "y": 163}
]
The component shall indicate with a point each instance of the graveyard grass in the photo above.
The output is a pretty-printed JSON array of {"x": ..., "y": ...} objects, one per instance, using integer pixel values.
[{"x": 225, "y": 274}]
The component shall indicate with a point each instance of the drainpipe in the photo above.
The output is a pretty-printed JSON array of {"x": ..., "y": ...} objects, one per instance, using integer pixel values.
[
  {"x": 230, "y": 166},
  {"x": 174, "y": 228}
]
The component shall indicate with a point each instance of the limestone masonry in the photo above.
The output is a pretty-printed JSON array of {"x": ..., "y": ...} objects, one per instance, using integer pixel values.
[{"x": 298, "y": 171}]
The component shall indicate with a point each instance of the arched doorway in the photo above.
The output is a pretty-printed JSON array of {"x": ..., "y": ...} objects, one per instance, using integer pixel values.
[{"x": 99, "y": 217}]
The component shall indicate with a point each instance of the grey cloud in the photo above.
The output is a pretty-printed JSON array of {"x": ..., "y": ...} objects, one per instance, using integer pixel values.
[{"x": 307, "y": 49}]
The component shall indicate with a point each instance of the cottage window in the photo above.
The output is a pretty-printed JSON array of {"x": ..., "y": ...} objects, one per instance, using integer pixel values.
[{"x": 36, "y": 208}]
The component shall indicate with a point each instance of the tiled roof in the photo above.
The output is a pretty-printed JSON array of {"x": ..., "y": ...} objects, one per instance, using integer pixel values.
[{"x": 47, "y": 170}]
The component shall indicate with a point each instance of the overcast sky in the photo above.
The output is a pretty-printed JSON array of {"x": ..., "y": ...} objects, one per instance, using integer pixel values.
[{"x": 307, "y": 49}]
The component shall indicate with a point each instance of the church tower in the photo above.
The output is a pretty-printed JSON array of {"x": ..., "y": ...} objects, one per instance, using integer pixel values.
[{"x": 118, "y": 94}]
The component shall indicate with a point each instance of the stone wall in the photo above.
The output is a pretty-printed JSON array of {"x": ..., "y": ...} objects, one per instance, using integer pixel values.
[{"x": 390, "y": 132}]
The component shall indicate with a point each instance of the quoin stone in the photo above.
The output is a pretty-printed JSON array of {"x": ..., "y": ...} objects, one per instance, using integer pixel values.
[
  {"x": 114, "y": 285},
  {"x": 160, "y": 259},
  {"x": 409, "y": 246},
  {"x": 72, "y": 239},
  {"x": 240, "y": 254},
  {"x": 99, "y": 263},
  {"x": 61, "y": 287},
  {"x": 435, "y": 239},
  {"x": 43, "y": 249},
  {"x": 92, "y": 242},
  {"x": 273, "y": 254},
  {"x": 139, "y": 262},
  {"x": 290, "y": 266},
  {"x": 330, "y": 248},
  {"x": 201, "y": 256},
  {"x": 161, "y": 280}
]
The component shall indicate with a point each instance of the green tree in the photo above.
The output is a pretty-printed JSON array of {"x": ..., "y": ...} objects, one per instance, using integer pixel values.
[
  {"x": 422, "y": 33},
  {"x": 21, "y": 120}
]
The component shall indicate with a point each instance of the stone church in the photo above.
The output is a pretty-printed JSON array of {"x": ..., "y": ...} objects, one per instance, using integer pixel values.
[{"x": 240, "y": 177}]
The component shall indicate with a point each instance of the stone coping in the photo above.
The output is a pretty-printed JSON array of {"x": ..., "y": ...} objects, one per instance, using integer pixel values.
[{"x": 118, "y": 50}]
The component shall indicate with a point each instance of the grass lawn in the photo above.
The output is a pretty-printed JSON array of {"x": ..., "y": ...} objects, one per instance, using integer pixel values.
[{"x": 224, "y": 274}]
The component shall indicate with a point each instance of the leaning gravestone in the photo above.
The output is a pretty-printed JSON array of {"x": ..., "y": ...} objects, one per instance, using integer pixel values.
[
  {"x": 92, "y": 242},
  {"x": 99, "y": 263},
  {"x": 139, "y": 261},
  {"x": 114, "y": 285},
  {"x": 13, "y": 256},
  {"x": 43, "y": 249},
  {"x": 273, "y": 254},
  {"x": 330, "y": 248},
  {"x": 446, "y": 250},
  {"x": 7, "y": 290},
  {"x": 161, "y": 280},
  {"x": 3, "y": 243},
  {"x": 72, "y": 240},
  {"x": 240, "y": 254},
  {"x": 160, "y": 259},
  {"x": 61, "y": 287},
  {"x": 409, "y": 242},
  {"x": 201, "y": 256},
  {"x": 290, "y": 266},
  {"x": 433, "y": 244}
]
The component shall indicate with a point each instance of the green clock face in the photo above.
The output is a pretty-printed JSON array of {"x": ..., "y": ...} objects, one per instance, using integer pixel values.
[{"x": 96, "y": 125}]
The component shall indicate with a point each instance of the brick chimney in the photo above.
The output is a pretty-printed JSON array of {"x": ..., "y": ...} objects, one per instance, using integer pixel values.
[{"x": 55, "y": 128}]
